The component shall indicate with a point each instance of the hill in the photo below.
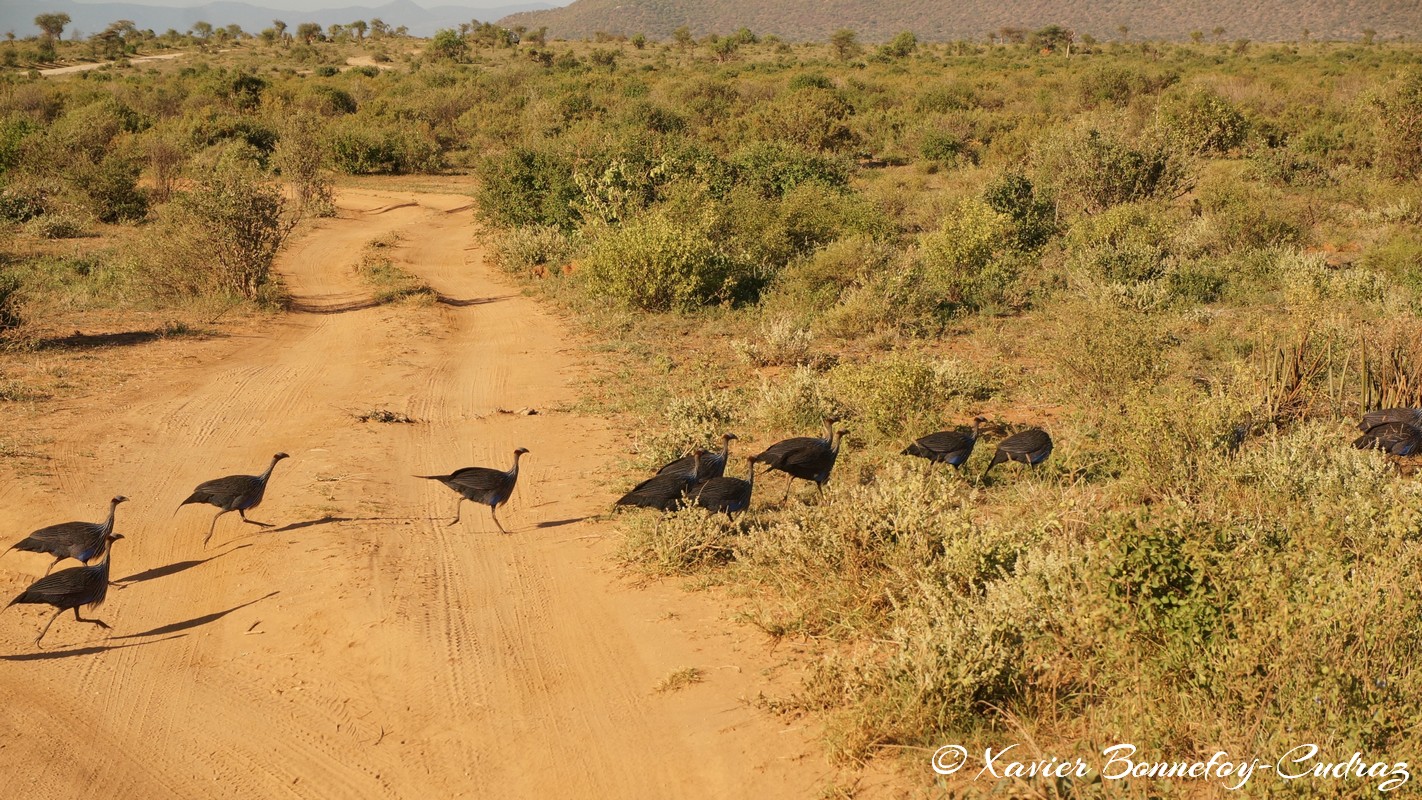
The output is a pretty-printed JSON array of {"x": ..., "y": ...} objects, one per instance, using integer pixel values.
[
  {"x": 879, "y": 20},
  {"x": 19, "y": 15}
]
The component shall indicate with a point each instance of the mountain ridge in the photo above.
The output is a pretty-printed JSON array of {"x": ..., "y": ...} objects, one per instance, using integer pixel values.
[
  {"x": 880, "y": 20},
  {"x": 89, "y": 18}
]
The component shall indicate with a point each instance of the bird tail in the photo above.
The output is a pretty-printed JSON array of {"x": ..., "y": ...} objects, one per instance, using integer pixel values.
[
  {"x": 26, "y": 545},
  {"x": 432, "y": 477}
]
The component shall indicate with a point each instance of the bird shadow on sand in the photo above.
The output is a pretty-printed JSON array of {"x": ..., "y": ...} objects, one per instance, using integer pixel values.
[
  {"x": 329, "y": 519},
  {"x": 46, "y": 655},
  {"x": 83, "y": 341},
  {"x": 558, "y": 523},
  {"x": 446, "y": 300},
  {"x": 188, "y": 624},
  {"x": 171, "y": 569}
]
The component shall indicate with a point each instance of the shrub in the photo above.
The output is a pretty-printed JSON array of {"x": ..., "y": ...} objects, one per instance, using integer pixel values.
[
  {"x": 329, "y": 101},
  {"x": 775, "y": 168},
  {"x": 1106, "y": 349},
  {"x": 1093, "y": 168},
  {"x": 656, "y": 264},
  {"x": 527, "y": 186},
  {"x": 533, "y": 249},
  {"x": 1241, "y": 216},
  {"x": 222, "y": 234},
  {"x": 10, "y": 299},
  {"x": 1399, "y": 125},
  {"x": 55, "y": 226},
  {"x": 360, "y": 146},
  {"x": 812, "y": 118},
  {"x": 1033, "y": 212},
  {"x": 903, "y": 391},
  {"x": 1123, "y": 244},
  {"x": 1200, "y": 120},
  {"x": 448, "y": 45},
  {"x": 967, "y": 264},
  {"x": 301, "y": 157}
]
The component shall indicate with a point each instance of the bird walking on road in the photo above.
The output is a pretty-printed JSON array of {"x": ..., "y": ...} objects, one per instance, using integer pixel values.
[
  {"x": 81, "y": 541},
  {"x": 731, "y": 495},
  {"x": 947, "y": 447},
  {"x": 1395, "y": 438},
  {"x": 1030, "y": 447},
  {"x": 483, "y": 485},
  {"x": 805, "y": 457},
  {"x": 713, "y": 465},
  {"x": 664, "y": 492},
  {"x": 72, "y": 588},
  {"x": 240, "y": 493}
]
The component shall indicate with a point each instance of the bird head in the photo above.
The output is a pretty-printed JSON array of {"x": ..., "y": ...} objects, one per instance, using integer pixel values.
[
  {"x": 729, "y": 437},
  {"x": 114, "y": 537},
  {"x": 280, "y": 456},
  {"x": 979, "y": 419},
  {"x": 520, "y": 451},
  {"x": 118, "y": 499}
]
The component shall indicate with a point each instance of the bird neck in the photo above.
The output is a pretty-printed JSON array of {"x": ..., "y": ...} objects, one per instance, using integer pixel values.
[
  {"x": 109, "y": 523},
  {"x": 834, "y": 442},
  {"x": 725, "y": 449},
  {"x": 265, "y": 475},
  {"x": 829, "y": 430},
  {"x": 513, "y": 471}
]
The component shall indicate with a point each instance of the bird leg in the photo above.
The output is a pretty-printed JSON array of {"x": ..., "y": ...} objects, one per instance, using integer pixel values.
[
  {"x": 243, "y": 514},
  {"x": 56, "y": 560},
  {"x": 457, "y": 505},
  {"x": 788, "y": 480},
  {"x": 211, "y": 528},
  {"x": 494, "y": 512},
  {"x": 45, "y": 629},
  {"x": 98, "y": 622}
]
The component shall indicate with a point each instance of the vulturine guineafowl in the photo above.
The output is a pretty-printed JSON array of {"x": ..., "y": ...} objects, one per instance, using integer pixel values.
[
  {"x": 1395, "y": 438},
  {"x": 72, "y": 588},
  {"x": 947, "y": 447},
  {"x": 240, "y": 493},
  {"x": 805, "y": 457},
  {"x": 664, "y": 492},
  {"x": 731, "y": 495},
  {"x": 1030, "y": 447},
  {"x": 1382, "y": 416},
  {"x": 483, "y": 485},
  {"x": 81, "y": 541},
  {"x": 713, "y": 465}
]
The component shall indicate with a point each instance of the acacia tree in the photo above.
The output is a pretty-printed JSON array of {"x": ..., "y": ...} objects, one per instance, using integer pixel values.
[
  {"x": 53, "y": 27},
  {"x": 845, "y": 43},
  {"x": 308, "y": 31},
  {"x": 360, "y": 28}
]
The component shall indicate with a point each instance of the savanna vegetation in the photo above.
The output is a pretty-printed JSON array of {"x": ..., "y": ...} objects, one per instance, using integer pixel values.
[{"x": 1194, "y": 264}]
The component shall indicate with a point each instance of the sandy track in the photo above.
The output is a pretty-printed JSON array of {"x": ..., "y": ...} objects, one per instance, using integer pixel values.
[
  {"x": 362, "y": 648},
  {"x": 73, "y": 68}
]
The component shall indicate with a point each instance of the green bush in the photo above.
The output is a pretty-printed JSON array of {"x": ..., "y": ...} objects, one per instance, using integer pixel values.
[
  {"x": 903, "y": 392},
  {"x": 532, "y": 250},
  {"x": 968, "y": 263},
  {"x": 1092, "y": 168},
  {"x": 10, "y": 299},
  {"x": 775, "y": 168},
  {"x": 1399, "y": 125},
  {"x": 1123, "y": 244},
  {"x": 657, "y": 264},
  {"x": 1200, "y": 120},
  {"x": 1033, "y": 212},
  {"x": 362, "y": 146},
  {"x": 527, "y": 186}
]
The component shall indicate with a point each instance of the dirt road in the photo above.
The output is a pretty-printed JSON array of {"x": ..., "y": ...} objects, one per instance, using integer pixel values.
[
  {"x": 73, "y": 68},
  {"x": 361, "y": 648}
]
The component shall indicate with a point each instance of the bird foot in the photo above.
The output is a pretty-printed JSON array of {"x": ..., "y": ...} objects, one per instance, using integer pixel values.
[
  {"x": 258, "y": 524},
  {"x": 452, "y": 524}
]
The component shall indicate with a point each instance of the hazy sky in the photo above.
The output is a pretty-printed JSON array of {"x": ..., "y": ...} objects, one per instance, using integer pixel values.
[{"x": 316, "y": 5}]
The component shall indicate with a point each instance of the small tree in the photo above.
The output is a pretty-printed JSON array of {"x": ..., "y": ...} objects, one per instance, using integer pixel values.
[
  {"x": 360, "y": 28},
  {"x": 1053, "y": 38},
  {"x": 682, "y": 37},
  {"x": 845, "y": 43},
  {"x": 639, "y": 41},
  {"x": 308, "y": 32},
  {"x": 279, "y": 28},
  {"x": 203, "y": 30},
  {"x": 301, "y": 157},
  {"x": 448, "y": 45},
  {"x": 52, "y": 25},
  {"x": 901, "y": 46}
]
